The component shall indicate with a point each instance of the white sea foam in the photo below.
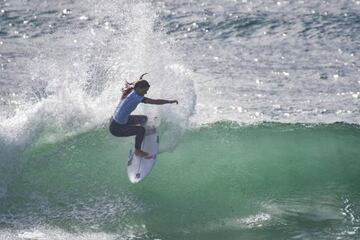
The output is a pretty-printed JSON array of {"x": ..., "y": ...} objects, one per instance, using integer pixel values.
[{"x": 50, "y": 233}]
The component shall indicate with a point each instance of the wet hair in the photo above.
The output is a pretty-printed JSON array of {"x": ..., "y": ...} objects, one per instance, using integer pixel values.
[{"x": 141, "y": 83}]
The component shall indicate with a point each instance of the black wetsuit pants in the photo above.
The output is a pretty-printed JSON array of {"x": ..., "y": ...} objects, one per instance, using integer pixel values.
[{"x": 131, "y": 128}]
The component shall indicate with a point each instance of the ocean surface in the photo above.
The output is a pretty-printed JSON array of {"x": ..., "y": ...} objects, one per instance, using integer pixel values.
[{"x": 264, "y": 143}]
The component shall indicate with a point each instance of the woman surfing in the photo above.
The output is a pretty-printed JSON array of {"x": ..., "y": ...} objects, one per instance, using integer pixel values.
[{"x": 122, "y": 124}]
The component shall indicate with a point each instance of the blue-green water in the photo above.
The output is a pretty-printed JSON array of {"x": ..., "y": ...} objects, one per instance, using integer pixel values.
[{"x": 222, "y": 181}]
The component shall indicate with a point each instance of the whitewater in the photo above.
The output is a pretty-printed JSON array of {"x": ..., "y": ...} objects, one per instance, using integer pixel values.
[{"x": 264, "y": 143}]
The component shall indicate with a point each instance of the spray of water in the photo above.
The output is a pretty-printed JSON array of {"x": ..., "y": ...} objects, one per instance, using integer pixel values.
[{"x": 76, "y": 76}]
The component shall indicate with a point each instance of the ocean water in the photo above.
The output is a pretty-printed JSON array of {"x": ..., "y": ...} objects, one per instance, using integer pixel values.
[{"x": 264, "y": 143}]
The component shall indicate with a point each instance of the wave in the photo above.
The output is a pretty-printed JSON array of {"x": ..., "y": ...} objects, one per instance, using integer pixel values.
[{"x": 221, "y": 178}]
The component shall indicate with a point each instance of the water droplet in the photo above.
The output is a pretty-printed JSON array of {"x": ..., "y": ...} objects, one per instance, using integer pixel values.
[
  {"x": 66, "y": 11},
  {"x": 84, "y": 18}
]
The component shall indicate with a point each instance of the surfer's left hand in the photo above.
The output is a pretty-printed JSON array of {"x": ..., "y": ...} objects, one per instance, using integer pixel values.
[{"x": 174, "y": 101}]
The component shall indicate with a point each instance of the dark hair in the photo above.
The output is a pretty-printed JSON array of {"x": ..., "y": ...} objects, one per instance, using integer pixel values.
[{"x": 142, "y": 84}]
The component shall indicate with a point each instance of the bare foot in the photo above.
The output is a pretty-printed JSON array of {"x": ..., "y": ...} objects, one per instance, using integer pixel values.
[{"x": 141, "y": 153}]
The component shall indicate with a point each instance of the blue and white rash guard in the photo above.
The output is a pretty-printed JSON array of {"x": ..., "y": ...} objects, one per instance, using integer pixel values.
[{"x": 126, "y": 106}]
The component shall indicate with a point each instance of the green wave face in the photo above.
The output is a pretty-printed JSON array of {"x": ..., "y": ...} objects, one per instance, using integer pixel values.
[{"x": 222, "y": 181}]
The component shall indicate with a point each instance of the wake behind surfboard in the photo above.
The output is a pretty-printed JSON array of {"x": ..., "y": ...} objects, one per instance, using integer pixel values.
[{"x": 139, "y": 167}]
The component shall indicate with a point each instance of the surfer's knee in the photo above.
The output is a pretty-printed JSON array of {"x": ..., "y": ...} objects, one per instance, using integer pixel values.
[
  {"x": 144, "y": 120},
  {"x": 140, "y": 132}
]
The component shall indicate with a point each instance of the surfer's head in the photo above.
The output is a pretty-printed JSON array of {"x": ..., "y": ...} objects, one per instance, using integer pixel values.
[{"x": 142, "y": 86}]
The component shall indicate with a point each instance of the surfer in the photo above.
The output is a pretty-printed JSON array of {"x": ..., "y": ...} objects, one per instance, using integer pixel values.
[{"x": 122, "y": 124}]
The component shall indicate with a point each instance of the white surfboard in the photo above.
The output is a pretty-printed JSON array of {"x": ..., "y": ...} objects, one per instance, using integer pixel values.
[{"x": 140, "y": 167}]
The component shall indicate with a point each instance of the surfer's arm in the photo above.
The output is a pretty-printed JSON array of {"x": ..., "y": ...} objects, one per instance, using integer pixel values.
[{"x": 158, "y": 101}]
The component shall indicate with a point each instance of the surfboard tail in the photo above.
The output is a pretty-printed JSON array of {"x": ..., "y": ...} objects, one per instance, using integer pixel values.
[{"x": 139, "y": 167}]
